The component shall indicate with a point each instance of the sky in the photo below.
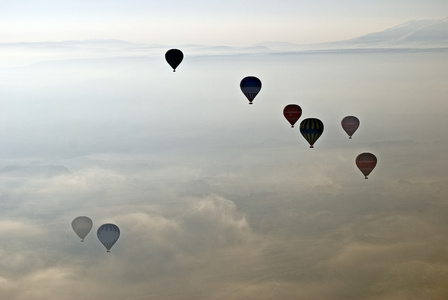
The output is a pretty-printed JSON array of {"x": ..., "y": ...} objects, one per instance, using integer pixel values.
[
  {"x": 216, "y": 198},
  {"x": 234, "y": 22}
]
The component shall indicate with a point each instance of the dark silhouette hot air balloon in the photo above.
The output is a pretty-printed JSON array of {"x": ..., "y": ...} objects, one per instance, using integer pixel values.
[
  {"x": 350, "y": 124},
  {"x": 250, "y": 86},
  {"x": 174, "y": 57},
  {"x": 311, "y": 129},
  {"x": 292, "y": 113},
  {"x": 366, "y": 162}
]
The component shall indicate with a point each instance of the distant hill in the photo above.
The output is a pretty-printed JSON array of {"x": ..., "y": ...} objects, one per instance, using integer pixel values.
[
  {"x": 417, "y": 34},
  {"x": 413, "y": 34}
]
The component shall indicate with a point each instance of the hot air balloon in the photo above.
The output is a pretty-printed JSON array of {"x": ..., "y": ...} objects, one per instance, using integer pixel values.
[
  {"x": 350, "y": 124},
  {"x": 366, "y": 162},
  {"x": 82, "y": 226},
  {"x": 108, "y": 234},
  {"x": 174, "y": 57},
  {"x": 311, "y": 129},
  {"x": 250, "y": 86},
  {"x": 292, "y": 113}
]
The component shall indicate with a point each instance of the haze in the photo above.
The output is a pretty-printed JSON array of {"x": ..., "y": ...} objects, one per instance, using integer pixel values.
[
  {"x": 213, "y": 22},
  {"x": 216, "y": 198}
]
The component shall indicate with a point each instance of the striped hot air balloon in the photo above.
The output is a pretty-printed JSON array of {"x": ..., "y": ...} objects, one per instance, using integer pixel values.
[
  {"x": 350, "y": 124},
  {"x": 292, "y": 113},
  {"x": 311, "y": 129},
  {"x": 250, "y": 86},
  {"x": 366, "y": 162},
  {"x": 108, "y": 234}
]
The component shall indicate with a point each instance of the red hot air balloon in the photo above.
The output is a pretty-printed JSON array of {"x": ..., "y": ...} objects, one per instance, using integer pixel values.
[
  {"x": 366, "y": 162},
  {"x": 292, "y": 113},
  {"x": 350, "y": 124}
]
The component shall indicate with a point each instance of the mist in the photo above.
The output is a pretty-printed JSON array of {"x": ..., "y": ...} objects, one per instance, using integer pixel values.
[{"x": 216, "y": 198}]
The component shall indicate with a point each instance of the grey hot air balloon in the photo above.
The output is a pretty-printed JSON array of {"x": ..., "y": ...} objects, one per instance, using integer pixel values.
[{"x": 82, "y": 226}]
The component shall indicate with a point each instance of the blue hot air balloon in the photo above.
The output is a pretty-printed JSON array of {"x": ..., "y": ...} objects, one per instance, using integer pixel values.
[
  {"x": 250, "y": 86},
  {"x": 174, "y": 57},
  {"x": 311, "y": 129},
  {"x": 108, "y": 234}
]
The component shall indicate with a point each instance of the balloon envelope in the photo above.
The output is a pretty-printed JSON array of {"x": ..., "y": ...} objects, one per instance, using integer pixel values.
[
  {"x": 174, "y": 57},
  {"x": 350, "y": 124},
  {"x": 292, "y": 113},
  {"x": 311, "y": 129},
  {"x": 250, "y": 86},
  {"x": 366, "y": 162},
  {"x": 82, "y": 226},
  {"x": 108, "y": 234}
]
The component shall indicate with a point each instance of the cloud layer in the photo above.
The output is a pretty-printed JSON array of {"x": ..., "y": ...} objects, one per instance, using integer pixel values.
[{"x": 216, "y": 199}]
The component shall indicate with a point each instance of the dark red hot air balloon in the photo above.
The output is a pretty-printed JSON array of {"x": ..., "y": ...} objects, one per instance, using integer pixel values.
[
  {"x": 366, "y": 162},
  {"x": 350, "y": 124},
  {"x": 292, "y": 113}
]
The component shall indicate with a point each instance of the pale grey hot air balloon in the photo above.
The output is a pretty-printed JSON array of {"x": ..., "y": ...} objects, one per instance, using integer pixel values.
[
  {"x": 82, "y": 226},
  {"x": 108, "y": 234}
]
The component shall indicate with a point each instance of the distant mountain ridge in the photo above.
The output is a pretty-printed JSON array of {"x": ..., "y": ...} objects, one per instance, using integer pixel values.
[
  {"x": 412, "y": 34},
  {"x": 416, "y": 34}
]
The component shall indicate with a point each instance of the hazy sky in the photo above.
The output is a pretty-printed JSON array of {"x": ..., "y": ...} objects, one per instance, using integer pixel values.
[
  {"x": 216, "y": 198},
  {"x": 234, "y": 22}
]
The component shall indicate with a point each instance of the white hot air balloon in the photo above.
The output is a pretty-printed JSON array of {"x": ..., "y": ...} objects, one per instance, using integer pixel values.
[
  {"x": 108, "y": 234},
  {"x": 82, "y": 226}
]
